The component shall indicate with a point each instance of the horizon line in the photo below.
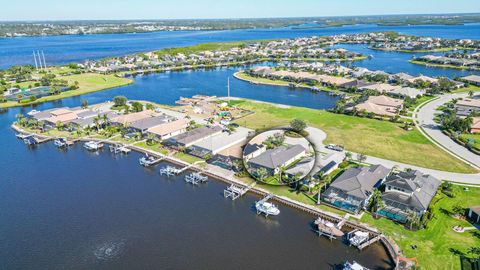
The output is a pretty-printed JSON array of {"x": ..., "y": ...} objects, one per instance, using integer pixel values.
[{"x": 247, "y": 18}]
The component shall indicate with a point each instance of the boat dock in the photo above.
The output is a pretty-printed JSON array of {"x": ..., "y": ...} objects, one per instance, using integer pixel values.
[
  {"x": 119, "y": 149},
  {"x": 327, "y": 228},
  {"x": 169, "y": 171},
  {"x": 196, "y": 178},
  {"x": 235, "y": 191}
]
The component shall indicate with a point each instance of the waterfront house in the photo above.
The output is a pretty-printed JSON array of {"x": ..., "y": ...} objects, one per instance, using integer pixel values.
[
  {"x": 301, "y": 168},
  {"x": 473, "y": 214},
  {"x": 252, "y": 150},
  {"x": 144, "y": 124},
  {"x": 381, "y": 87},
  {"x": 193, "y": 136},
  {"x": 329, "y": 162},
  {"x": 405, "y": 192},
  {"x": 466, "y": 106},
  {"x": 127, "y": 119},
  {"x": 169, "y": 129},
  {"x": 280, "y": 157},
  {"x": 212, "y": 145},
  {"x": 354, "y": 187},
  {"x": 471, "y": 79},
  {"x": 380, "y": 105}
]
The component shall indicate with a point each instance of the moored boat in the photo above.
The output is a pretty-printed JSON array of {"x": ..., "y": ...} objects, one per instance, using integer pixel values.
[
  {"x": 148, "y": 160},
  {"x": 93, "y": 145},
  {"x": 267, "y": 208},
  {"x": 60, "y": 142},
  {"x": 30, "y": 140},
  {"x": 353, "y": 266}
]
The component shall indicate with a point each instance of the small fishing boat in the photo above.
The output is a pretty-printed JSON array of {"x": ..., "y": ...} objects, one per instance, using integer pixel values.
[
  {"x": 267, "y": 208},
  {"x": 353, "y": 266},
  {"x": 60, "y": 142},
  {"x": 22, "y": 136},
  {"x": 32, "y": 112},
  {"x": 93, "y": 145},
  {"x": 147, "y": 160},
  {"x": 30, "y": 140}
]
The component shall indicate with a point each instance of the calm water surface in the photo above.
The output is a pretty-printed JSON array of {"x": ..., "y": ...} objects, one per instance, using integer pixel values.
[{"x": 64, "y": 49}]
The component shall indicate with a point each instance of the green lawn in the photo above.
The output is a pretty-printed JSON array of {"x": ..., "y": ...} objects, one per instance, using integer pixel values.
[
  {"x": 381, "y": 139},
  {"x": 475, "y": 137},
  {"x": 467, "y": 89},
  {"x": 423, "y": 63},
  {"x": 156, "y": 147},
  {"x": 187, "y": 158},
  {"x": 88, "y": 82},
  {"x": 437, "y": 243}
]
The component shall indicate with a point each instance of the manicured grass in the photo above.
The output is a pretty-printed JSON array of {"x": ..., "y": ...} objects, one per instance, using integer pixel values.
[
  {"x": 156, "y": 147},
  {"x": 381, "y": 139},
  {"x": 88, "y": 82},
  {"x": 437, "y": 243},
  {"x": 467, "y": 89},
  {"x": 423, "y": 63},
  {"x": 187, "y": 158},
  {"x": 475, "y": 137}
]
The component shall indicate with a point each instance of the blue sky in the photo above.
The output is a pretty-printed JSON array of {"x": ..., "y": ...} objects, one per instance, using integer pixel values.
[{"x": 186, "y": 9}]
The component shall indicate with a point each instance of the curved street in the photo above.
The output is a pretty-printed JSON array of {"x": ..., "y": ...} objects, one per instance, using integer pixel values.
[{"x": 423, "y": 117}]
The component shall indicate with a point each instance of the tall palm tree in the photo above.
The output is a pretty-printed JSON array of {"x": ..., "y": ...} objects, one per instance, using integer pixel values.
[{"x": 412, "y": 219}]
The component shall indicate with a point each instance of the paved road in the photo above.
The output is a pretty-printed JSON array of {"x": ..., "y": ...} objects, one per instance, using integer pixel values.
[
  {"x": 423, "y": 118},
  {"x": 317, "y": 137}
]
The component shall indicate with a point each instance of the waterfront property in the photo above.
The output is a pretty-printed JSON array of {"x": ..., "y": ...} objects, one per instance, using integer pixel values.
[
  {"x": 128, "y": 119},
  {"x": 212, "y": 145},
  {"x": 408, "y": 193},
  {"x": 193, "y": 136},
  {"x": 354, "y": 187},
  {"x": 274, "y": 159},
  {"x": 169, "y": 129},
  {"x": 143, "y": 125}
]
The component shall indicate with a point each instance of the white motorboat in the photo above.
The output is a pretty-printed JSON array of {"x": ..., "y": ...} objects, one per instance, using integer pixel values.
[
  {"x": 353, "y": 266},
  {"x": 30, "y": 140},
  {"x": 267, "y": 208},
  {"x": 93, "y": 145},
  {"x": 60, "y": 142},
  {"x": 32, "y": 112},
  {"x": 358, "y": 238},
  {"x": 22, "y": 136}
]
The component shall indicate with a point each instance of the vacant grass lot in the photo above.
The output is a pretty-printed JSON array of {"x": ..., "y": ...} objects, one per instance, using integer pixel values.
[
  {"x": 437, "y": 245},
  {"x": 381, "y": 139},
  {"x": 87, "y": 82},
  {"x": 211, "y": 46}
]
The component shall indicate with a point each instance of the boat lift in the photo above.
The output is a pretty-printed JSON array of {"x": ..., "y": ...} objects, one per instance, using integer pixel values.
[
  {"x": 235, "y": 191},
  {"x": 265, "y": 207},
  {"x": 119, "y": 149},
  {"x": 169, "y": 171},
  {"x": 196, "y": 178}
]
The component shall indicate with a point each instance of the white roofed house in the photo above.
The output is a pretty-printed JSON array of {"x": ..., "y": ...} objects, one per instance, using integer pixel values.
[
  {"x": 212, "y": 145},
  {"x": 169, "y": 129},
  {"x": 275, "y": 159}
]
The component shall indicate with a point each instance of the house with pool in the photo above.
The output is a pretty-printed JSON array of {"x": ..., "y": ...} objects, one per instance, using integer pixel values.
[{"x": 354, "y": 187}]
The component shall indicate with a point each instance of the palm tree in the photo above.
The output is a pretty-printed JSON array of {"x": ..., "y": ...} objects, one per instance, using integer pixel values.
[
  {"x": 261, "y": 173},
  {"x": 412, "y": 219}
]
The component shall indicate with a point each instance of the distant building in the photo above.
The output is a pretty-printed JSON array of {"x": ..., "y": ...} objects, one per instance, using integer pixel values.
[
  {"x": 381, "y": 105},
  {"x": 407, "y": 192},
  {"x": 466, "y": 106},
  {"x": 471, "y": 79}
]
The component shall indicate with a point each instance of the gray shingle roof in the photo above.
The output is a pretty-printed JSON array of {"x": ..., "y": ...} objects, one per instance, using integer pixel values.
[
  {"x": 359, "y": 182},
  {"x": 149, "y": 122},
  {"x": 196, "y": 134},
  {"x": 423, "y": 188},
  {"x": 273, "y": 158}
]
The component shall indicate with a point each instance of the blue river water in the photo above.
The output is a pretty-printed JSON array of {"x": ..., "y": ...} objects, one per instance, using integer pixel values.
[
  {"x": 64, "y": 49},
  {"x": 77, "y": 210}
]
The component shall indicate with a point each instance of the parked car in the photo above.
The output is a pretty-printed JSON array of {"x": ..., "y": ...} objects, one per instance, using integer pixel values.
[{"x": 335, "y": 147}]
